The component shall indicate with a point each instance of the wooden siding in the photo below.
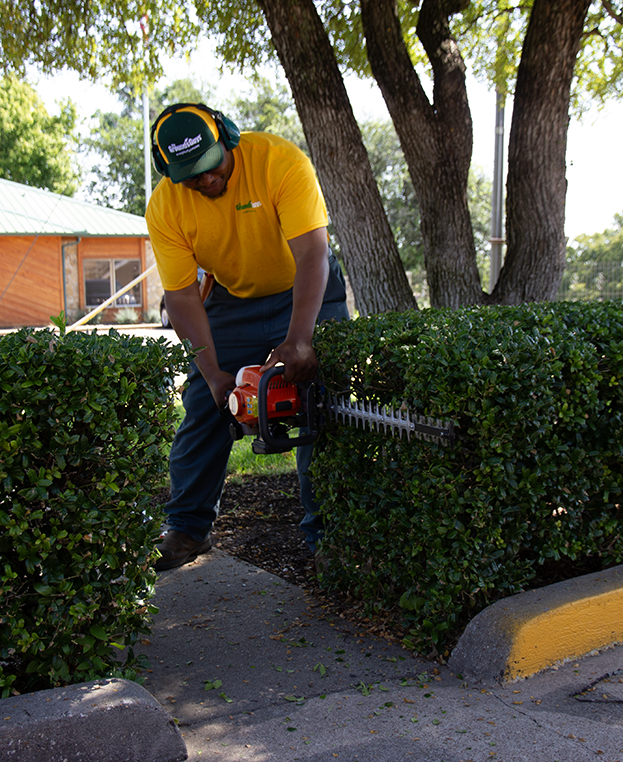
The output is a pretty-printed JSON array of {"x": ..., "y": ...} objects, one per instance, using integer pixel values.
[
  {"x": 36, "y": 291},
  {"x": 112, "y": 248}
]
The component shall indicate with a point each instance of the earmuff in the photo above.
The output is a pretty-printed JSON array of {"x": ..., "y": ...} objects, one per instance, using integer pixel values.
[{"x": 228, "y": 132}]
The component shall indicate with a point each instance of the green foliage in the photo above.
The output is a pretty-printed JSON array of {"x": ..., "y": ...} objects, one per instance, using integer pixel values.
[
  {"x": 434, "y": 534},
  {"x": 119, "y": 175},
  {"x": 491, "y": 35},
  {"x": 36, "y": 149},
  {"x": 392, "y": 177},
  {"x": 95, "y": 37},
  {"x": 241, "y": 31},
  {"x": 268, "y": 108},
  {"x": 479, "y": 192},
  {"x": 594, "y": 268},
  {"x": 600, "y": 66},
  {"x": 83, "y": 424}
]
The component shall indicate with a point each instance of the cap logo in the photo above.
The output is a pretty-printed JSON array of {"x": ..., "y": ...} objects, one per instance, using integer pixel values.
[{"x": 185, "y": 147}]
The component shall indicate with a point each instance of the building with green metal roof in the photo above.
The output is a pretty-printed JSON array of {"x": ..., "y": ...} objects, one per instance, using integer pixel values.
[{"x": 59, "y": 253}]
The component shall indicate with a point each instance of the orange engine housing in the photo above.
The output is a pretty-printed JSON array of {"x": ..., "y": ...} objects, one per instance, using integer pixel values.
[{"x": 283, "y": 398}]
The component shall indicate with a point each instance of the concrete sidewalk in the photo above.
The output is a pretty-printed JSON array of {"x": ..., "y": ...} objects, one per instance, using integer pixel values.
[{"x": 252, "y": 671}]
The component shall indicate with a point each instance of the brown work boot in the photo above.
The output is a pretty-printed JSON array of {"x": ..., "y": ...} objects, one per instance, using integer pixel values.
[{"x": 177, "y": 548}]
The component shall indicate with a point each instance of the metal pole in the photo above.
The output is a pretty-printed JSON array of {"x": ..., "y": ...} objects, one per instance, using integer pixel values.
[
  {"x": 147, "y": 146},
  {"x": 497, "y": 197},
  {"x": 144, "y": 24}
]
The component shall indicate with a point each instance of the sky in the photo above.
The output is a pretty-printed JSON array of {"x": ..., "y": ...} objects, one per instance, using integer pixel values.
[{"x": 594, "y": 161}]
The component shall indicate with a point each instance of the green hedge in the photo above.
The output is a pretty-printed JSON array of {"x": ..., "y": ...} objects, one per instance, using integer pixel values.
[
  {"x": 535, "y": 474},
  {"x": 83, "y": 421}
]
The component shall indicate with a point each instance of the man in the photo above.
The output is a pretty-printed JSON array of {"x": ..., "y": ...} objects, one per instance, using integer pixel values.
[{"x": 248, "y": 209}]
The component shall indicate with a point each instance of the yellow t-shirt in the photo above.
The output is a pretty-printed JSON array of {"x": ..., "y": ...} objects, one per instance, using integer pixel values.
[{"x": 242, "y": 237}]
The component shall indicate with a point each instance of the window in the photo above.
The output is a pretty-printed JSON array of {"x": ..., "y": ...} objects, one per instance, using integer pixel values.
[{"x": 104, "y": 277}]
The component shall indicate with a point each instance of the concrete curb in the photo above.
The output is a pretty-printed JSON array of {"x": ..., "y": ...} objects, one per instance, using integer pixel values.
[
  {"x": 101, "y": 721},
  {"x": 526, "y": 633}
]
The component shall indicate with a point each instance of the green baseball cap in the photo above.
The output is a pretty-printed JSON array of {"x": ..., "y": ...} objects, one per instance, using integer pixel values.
[{"x": 188, "y": 140}]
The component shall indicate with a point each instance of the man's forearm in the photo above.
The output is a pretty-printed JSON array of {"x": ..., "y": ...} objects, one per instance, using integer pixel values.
[
  {"x": 312, "y": 270},
  {"x": 310, "y": 283},
  {"x": 310, "y": 252},
  {"x": 188, "y": 318}
]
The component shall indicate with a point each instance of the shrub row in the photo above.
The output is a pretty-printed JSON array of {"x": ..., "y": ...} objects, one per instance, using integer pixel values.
[
  {"x": 83, "y": 421},
  {"x": 535, "y": 473}
]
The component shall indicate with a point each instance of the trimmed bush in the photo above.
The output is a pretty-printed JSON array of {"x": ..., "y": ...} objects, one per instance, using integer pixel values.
[
  {"x": 83, "y": 424},
  {"x": 435, "y": 533}
]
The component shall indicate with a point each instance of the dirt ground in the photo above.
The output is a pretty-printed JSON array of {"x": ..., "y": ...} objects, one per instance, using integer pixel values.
[{"x": 259, "y": 523}]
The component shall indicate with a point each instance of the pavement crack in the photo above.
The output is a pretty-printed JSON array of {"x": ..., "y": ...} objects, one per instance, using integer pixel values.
[{"x": 520, "y": 710}]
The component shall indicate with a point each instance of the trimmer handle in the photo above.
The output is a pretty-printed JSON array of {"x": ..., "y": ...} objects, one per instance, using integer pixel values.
[{"x": 270, "y": 441}]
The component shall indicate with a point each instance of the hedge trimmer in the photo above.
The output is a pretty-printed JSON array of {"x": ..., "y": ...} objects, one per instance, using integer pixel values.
[{"x": 267, "y": 407}]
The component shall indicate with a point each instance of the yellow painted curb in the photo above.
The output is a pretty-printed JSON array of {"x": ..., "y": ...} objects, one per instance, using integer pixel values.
[{"x": 526, "y": 633}]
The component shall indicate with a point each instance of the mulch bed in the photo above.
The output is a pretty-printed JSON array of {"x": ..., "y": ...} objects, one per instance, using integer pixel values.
[{"x": 259, "y": 523}]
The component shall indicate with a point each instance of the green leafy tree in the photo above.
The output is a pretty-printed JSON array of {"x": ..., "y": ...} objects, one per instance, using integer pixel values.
[
  {"x": 118, "y": 176},
  {"x": 268, "y": 108},
  {"x": 36, "y": 149},
  {"x": 594, "y": 267},
  {"x": 95, "y": 37}
]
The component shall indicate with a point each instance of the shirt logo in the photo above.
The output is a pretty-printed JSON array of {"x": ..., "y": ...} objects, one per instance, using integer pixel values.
[
  {"x": 186, "y": 146},
  {"x": 248, "y": 206}
]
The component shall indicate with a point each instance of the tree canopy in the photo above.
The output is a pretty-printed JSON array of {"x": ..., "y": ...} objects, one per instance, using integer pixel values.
[
  {"x": 606, "y": 246},
  {"x": 35, "y": 148},
  {"x": 490, "y": 34},
  {"x": 549, "y": 55},
  {"x": 94, "y": 37}
]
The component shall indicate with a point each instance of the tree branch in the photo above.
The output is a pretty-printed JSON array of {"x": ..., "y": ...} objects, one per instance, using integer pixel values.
[{"x": 610, "y": 10}]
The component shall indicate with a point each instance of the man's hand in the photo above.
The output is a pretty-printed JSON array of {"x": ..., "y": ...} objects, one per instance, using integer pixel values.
[
  {"x": 220, "y": 386},
  {"x": 299, "y": 359}
]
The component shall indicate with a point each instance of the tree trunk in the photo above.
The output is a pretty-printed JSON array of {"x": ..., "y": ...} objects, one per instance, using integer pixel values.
[
  {"x": 436, "y": 139},
  {"x": 537, "y": 184},
  {"x": 370, "y": 254}
]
